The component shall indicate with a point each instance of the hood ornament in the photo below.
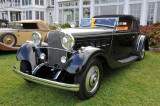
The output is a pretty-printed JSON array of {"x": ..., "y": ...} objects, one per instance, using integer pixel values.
[
  {"x": 59, "y": 29},
  {"x": 57, "y": 25},
  {"x": 92, "y": 23}
]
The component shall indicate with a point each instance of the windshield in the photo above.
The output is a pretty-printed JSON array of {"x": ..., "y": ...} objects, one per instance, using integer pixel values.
[
  {"x": 109, "y": 22},
  {"x": 3, "y": 24},
  {"x": 15, "y": 25}
]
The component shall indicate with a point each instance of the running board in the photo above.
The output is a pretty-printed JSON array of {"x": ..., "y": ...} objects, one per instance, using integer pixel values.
[{"x": 131, "y": 58}]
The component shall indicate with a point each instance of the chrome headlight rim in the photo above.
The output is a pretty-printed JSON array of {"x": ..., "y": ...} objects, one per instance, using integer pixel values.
[
  {"x": 40, "y": 38},
  {"x": 73, "y": 42}
]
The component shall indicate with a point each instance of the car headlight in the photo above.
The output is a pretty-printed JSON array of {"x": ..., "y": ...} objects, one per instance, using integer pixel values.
[
  {"x": 36, "y": 38},
  {"x": 67, "y": 41}
]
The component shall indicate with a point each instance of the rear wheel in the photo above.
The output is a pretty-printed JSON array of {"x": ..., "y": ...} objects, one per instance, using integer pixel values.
[
  {"x": 25, "y": 67},
  {"x": 90, "y": 80},
  {"x": 142, "y": 54}
]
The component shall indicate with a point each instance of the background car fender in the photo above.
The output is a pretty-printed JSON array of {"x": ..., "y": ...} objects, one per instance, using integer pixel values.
[
  {"x": 27, "y": 52},
  {"x": 78, "y": 62}
]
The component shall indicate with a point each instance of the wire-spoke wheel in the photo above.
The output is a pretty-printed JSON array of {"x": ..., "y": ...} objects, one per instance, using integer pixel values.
[
  {"x": 89, "y": 80},
  {"x": 142, "y": 54},
  {"x": 8, "y": 39}
]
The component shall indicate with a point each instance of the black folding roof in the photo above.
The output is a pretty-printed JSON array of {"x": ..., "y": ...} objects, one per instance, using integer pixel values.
[{"x": 120, "y": 16}]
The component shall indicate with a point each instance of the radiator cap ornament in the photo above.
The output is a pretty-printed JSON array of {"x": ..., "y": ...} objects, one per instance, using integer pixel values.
[{"x": 57, "y": 25}]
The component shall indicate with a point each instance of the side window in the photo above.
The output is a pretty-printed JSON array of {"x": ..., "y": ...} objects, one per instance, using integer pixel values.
[
  {"x": 30, "y": 26},
  {"x": 125, "y": 25}
]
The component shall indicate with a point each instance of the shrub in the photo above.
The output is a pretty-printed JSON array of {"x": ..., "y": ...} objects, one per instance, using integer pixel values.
[
  {"x": 153, "y": 33},
  {"x": 52, "y": 27},
  {"x": 66, "y": 25}
]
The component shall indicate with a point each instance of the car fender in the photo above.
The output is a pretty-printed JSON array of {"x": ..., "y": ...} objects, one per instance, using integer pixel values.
[
  {"x": 27, "y": 52},
  {"x": 5, "y": 47},
  {"x": 78, "y": 62}
]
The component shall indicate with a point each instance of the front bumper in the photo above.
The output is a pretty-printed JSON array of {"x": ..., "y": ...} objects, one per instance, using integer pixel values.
[{"x": 71, "y": 87}]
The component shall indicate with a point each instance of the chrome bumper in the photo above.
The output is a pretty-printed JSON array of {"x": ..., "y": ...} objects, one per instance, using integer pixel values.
[{"x": 71, "y": 87}]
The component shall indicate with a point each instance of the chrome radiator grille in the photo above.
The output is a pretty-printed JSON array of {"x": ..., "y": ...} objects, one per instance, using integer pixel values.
[{"x": 54, "y": 55}]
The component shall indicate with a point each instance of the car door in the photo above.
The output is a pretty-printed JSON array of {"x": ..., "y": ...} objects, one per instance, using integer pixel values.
[{"x": 122, "y": 45}]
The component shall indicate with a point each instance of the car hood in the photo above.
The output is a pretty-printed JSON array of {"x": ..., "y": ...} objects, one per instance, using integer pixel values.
[
  {"x": 79, "y": 32},
  {"x": 8, "y": 30}
]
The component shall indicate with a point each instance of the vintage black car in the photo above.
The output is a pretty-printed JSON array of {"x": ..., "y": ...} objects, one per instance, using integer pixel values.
[{"x": 74, "y": 59}]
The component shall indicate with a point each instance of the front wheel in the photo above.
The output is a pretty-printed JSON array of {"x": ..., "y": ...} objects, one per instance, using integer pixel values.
[
  {"x": 90, "y": 80},
  {"x": 8, "y": 39},
  {"x": 25, "y": 67}
]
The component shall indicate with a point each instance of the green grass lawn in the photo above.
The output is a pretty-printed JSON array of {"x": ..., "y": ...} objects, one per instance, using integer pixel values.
[{"x": 136, "y": 84}]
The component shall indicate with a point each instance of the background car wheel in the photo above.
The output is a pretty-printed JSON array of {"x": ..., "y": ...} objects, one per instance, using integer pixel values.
[
  {"x": 142, "y": 54},
  {"x": 25, "y": 67},
  {"x": 90, "y": 80},
  {"x": 8, "y": 39}
]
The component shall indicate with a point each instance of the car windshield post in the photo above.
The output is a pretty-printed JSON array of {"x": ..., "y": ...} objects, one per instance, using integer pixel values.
[{"x": 117, "y": 24}]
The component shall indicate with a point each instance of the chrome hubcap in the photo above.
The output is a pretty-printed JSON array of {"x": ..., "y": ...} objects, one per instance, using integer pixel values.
[{"x": 92, "y": 79}]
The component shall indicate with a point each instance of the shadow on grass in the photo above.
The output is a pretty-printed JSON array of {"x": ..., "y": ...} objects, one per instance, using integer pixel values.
[
  {"x": 7, "y": 52},
  {"x": 109, "y": 72},
  {"x": 46, "y": 93},
  {"x": 110, "y": 75}
]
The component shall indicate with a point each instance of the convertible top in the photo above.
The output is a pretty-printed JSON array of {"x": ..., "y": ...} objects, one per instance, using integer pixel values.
[
  {"x": 121, "y": 16},
  {"x": 41, "y": 24}
]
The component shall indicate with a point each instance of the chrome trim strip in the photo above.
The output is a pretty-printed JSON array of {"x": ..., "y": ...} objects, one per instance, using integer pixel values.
[
  {"x": 54, "y": 49},
  {"x": 71, "y": 87},
  {"x": 37, "y": 68}
]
